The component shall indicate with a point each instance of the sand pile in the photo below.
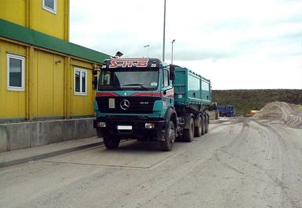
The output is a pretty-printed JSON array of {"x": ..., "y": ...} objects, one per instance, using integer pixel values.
[{"x": 289, "y": 113}]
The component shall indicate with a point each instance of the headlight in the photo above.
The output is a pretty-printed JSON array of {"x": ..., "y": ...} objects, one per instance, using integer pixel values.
[
  {"x": 149, "y": 125},
  {"x": 101, "y": 124}
]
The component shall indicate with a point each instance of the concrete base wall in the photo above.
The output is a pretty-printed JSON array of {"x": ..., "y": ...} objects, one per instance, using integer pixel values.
[
  {"x": 15, "y": 136},
  {"x": 213, "y": 114}
]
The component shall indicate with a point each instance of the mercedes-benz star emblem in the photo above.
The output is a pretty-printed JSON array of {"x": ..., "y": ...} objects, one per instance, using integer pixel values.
[{"x": 125, "y": 104}]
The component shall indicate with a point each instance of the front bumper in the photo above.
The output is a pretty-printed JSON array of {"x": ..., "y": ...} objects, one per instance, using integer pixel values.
[{"x": 131, "y": 127}]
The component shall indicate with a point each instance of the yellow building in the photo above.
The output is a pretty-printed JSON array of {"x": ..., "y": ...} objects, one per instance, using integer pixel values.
[
  {"x": 42, "y": 75},
  {"x": 46, "y": 87}
]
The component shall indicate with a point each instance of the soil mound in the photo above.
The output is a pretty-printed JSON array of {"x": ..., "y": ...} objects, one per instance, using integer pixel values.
[{"x": 291, "y": 114}]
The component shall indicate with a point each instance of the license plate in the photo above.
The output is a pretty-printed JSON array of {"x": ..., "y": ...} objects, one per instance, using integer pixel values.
[{"x": 124, "y": 127}]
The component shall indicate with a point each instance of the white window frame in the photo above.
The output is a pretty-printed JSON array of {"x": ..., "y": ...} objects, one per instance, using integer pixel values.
[
  {"x": 22, "y": 59},
  {"x": 52, "y": 10},
  {"x": 86, "y": 79}
]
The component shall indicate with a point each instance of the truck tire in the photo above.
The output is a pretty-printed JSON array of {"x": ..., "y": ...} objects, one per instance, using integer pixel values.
[
  {"x": 111, "y": 142},
  {"x": 207, "y": 119},
  {"x": 189, "y": 133},
  {"x": 203, "y": 124},
  {"x": 99, "y": 133},
  {"x": 198, "y": 129},
  {"x": 167, "y": 144}
]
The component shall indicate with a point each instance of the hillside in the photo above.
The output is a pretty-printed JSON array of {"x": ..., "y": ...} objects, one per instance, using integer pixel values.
[{"x": 246, "y": 100}]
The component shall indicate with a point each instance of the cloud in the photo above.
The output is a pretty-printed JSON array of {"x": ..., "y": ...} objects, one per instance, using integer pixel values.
[{"x": 212, "y": 35}]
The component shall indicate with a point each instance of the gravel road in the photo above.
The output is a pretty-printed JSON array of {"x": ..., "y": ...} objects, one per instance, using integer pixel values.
[{"x": 241, "y": 162}]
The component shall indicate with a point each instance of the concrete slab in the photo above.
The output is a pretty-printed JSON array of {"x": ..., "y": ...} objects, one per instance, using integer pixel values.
[
  {"x": 19, "y": 135},
  {"x": 36, "y": 139},
  {"x": 84, "y": 128},
  {"x": 53, "y": 131},
  {"x": 126, "y": 156},
  {"x": 14, "y": 136},
  {"x": 30, "y": 154},
  {"x": 69, "y": 130},
  {"x": 3, "y": 138}
]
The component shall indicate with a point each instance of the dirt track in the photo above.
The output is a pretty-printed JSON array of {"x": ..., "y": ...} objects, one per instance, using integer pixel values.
[{"x": 240, "y": 163}]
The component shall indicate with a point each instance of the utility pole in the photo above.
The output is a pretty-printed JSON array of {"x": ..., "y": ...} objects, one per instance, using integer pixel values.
[{"x": 164, "y": 33}]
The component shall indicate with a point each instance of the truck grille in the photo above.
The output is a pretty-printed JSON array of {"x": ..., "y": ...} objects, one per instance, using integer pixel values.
[{"x": 120, "y": 104}]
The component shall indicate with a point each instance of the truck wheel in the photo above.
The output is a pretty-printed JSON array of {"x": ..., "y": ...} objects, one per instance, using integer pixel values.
[
  {"x": 110, "y": 142},
  {"x": 198, "y": 129},
  {"x": 169, "y": 138},
  {"x": 207, "y": 122},
  {"x": 99, "y": 133},
  {"x": 204, "y": 120},
  {"x": 189, "y": 133}
]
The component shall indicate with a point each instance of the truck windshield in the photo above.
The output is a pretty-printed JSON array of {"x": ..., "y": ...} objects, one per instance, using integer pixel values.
[{"x": 128, "y": 79}]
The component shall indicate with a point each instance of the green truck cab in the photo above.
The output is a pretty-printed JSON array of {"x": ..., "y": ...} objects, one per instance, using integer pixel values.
[{"x": 147, "y": 99}]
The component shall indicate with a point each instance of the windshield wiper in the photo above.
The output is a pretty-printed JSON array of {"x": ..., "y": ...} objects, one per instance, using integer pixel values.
[{"x": 137, "y": 84}]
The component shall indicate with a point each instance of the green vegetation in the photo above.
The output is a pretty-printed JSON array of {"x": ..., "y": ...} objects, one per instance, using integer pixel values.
[{"x": 246, "y": 100}]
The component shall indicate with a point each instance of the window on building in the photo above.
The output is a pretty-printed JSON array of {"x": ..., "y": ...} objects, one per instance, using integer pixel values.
[
  {"x": 80, "y": 81},
  {"x": 50, "y": 5},
  {"x": 15, "y": 72}
]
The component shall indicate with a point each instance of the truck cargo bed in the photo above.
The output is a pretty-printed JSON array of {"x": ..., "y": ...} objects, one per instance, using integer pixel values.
[{"x": 191, "y": 88}]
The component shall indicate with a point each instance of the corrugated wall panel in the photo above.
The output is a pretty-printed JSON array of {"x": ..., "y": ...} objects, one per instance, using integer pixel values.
[
  {"x": 50, "y": 84},
  {"x": 47, "y": 22},
  {"x": 12, "y": 103},
  {"x": 37, "y": 18},
  {"x": 58, "y": 86},
  {"x": 82, "y": 105},
  {"x": 13, "y": 11}
]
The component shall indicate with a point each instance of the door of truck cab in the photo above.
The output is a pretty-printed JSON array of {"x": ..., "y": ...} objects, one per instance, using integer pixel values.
[{"x": 167, "y": 87}]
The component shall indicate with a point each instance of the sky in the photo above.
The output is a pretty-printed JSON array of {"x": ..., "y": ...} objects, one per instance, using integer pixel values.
[{"x": 237, "y": 44}]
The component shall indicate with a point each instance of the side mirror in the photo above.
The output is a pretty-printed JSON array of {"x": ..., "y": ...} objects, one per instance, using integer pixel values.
[
  {"x": 94, "y": 79},
  {"x": 172, "y": 72},
  {"x": 94, "y": 82}
]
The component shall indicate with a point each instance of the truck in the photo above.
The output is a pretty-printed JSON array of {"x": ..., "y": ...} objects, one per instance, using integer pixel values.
[
  {"x": 148, "y": 100},
  {"x": 226, "y": 110}
]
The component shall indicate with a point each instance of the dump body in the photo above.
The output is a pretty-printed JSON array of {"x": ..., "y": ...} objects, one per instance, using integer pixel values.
[{"x": 191, "y": 88}]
